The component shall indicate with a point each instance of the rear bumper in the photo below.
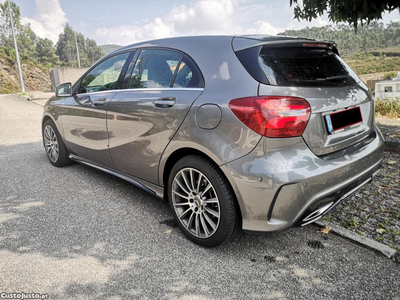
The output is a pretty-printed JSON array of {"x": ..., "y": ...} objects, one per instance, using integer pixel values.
[{"x": 281, "y": 183}]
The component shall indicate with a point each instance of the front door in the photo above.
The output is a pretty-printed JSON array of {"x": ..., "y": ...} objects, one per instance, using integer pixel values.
[
  {"x": 84, "y": 115},
  {"x": 144, "y": 117}
]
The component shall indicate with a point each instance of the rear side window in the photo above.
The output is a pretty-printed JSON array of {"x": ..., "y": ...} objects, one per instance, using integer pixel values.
[
  {"x": 159, "y": 68},
  {"x": 305, "y": 67},
  {"x": 154, "y": 69},
  {"x": 187, "y": 75}
]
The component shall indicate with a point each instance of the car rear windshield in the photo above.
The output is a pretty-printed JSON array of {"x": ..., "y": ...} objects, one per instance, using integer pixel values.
[{"x": 305, "y": 67}]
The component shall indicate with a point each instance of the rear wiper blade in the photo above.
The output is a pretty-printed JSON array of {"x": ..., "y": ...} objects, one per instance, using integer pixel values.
[{"x": 332, "y": 78}]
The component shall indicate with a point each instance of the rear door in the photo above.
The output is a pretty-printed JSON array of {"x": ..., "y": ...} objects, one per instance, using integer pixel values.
[
  {"x": 84, "y": 115},
  {"x": 143, "y": 118},
  {"x": 336, "y": 95}
]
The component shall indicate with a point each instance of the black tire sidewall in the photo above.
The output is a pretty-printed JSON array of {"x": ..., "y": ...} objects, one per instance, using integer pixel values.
[{"x": 226, "y": 226}]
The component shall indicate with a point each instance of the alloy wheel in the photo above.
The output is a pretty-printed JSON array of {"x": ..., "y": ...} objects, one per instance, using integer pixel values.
[
  {"x": 196, "y": 203},
  {"x": 51, "y": 143}
]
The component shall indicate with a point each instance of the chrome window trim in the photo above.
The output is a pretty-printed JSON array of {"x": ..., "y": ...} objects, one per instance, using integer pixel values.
[{"x": 143, "y": 89}]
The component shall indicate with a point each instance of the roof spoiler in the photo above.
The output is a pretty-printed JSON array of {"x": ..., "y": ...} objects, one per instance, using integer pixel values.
[{"x": 241, "y": 43}]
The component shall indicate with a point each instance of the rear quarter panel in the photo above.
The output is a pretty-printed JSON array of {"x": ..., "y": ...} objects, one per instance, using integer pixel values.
[{"x": 225, "y": 79}]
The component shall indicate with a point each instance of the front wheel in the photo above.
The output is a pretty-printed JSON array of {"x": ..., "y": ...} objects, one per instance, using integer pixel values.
[
  {"x": 56, "y": 150},
  {"x": 203, "y": 202}
]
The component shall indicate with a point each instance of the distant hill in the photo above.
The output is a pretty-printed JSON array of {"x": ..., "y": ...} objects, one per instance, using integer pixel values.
[
  {"x": 109, "y": 48},
  {"x": 369, "y": 37}
]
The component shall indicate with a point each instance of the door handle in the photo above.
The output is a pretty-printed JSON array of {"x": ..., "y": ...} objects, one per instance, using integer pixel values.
[
  {"x": 99, "y": 102},
  {"x": 164, "y": 102},
  {"x": 84, "y": 101}
]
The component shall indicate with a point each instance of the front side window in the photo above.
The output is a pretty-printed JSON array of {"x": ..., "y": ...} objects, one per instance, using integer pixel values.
[
  {"x": 104, "y": 76},
  {"x": 154, "y": 69}
]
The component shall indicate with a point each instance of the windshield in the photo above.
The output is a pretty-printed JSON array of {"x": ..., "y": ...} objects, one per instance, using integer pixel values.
[{"x": 305, "y": 67}]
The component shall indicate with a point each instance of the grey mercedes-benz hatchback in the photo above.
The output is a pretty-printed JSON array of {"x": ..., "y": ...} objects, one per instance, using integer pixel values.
[{"x": 236, "y": 132}]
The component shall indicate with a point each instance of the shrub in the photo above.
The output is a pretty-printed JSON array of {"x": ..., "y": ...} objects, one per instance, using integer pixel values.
[
  {"x": 390, "y": 75},
  {"x": 388, "y": 107}
]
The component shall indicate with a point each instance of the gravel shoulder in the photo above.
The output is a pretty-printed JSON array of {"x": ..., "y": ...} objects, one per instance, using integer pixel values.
[{"x": 374, "y": 210}]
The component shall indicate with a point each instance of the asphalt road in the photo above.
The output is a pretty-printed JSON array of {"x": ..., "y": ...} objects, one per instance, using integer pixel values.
[{"x": 77, "y": 233}]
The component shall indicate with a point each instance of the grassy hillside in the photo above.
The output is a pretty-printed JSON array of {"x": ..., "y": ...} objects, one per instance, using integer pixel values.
[
  {"x": 36, "y": 77},
  {"x": 373, "y": 64}
]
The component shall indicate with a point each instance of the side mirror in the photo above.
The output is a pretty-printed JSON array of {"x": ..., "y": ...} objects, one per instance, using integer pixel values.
[{"x": 64, "y": 90}]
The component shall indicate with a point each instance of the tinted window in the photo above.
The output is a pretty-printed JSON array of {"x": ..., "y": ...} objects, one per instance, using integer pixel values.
[
  {"x": 187, "y": 75},
  {"x": 305, "y": 67},
  {"x": 105, "y": 75},
  {"x": 154, "y": 69}
]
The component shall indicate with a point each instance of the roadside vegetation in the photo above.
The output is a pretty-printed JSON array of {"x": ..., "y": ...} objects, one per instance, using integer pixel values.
[
  {"x": 387, "y": 108},
  {"x": 38, "y": 54},
  {"x": 373, "y": 37},
  {"x": 41, "y": 51}
]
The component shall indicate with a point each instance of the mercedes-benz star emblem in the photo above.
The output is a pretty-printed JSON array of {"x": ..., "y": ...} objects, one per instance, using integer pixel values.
[{"x": 353, "y": 96}]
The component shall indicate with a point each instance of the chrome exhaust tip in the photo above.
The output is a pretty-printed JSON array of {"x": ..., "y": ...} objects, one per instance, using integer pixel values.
[{"x": 315, "y": 215}]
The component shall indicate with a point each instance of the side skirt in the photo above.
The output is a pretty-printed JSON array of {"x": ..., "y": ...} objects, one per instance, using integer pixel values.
[{"x": 144, "y": 185}]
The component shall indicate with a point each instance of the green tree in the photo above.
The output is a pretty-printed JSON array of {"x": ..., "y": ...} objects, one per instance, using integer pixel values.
[
  {"x": 372, "y": 36},
  {"x": 26, "y": 38},
  {"x": 89, "y": 52},
  {"x": 93, "y": 52},
  {"x": 46, "y": 53},
  {"x": 353, "y": 12}
]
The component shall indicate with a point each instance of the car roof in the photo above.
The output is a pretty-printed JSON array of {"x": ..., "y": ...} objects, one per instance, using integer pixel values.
[{"x": 240, "y": 41}]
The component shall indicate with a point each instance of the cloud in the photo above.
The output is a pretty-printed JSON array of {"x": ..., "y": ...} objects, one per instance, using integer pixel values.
[
  {"x": 200, "y": 17},
  {"x": 208, "y": 17},
  {"x": 263, "y": 27},
  {"x": 49, "y": 19}
]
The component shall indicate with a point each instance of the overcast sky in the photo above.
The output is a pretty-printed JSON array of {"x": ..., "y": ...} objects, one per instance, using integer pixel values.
[{"x": 128, "y": 21}]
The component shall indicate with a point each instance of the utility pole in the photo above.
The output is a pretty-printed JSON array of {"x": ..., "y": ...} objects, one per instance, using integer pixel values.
[
  {"x": 77, "y": 49},
  {"x": 21, "y": 80}
]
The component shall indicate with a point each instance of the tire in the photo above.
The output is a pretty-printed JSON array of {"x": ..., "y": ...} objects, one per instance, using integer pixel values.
[
  {"x": 52, "y": 142},
  {"x": 216, "y": 211}
]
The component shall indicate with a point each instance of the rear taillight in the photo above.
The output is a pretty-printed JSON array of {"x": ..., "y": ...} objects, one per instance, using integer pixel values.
[{"x": 273, "y": 116}]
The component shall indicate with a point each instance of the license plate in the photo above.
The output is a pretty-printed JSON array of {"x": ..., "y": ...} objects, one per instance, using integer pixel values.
[{"x": 338, "y": 121}]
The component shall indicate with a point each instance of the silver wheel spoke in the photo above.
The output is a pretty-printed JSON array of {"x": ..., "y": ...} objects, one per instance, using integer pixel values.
[
  {"x": 198, "y": 182},
  {"x": 211, "y": 211},
  {"x": 182, "y": 204},
  {"x": 211, "y": 200},
  {"x": 180, "y": 185},
  {"x": 204, "y": 225},
  {"x": 212, "y": 224},
  {"x": 192, "y": 179},
  {"x": 186, "y": 181},
  {"x": 190, "y": 222},
  {"x": 53, "y": 154},
  {"x": 180, "y": 195},
  {"x": 182, "y": 216},
  {"x": 206, "y": 189},
  {"x": 46, "y": 134},
  {"x": 195, "y": 202},
  {"x": 197, "y": 225}
]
